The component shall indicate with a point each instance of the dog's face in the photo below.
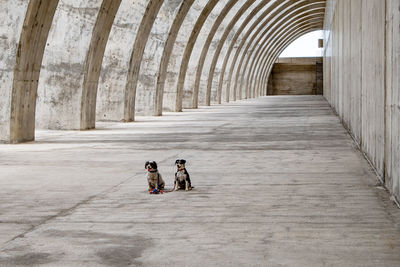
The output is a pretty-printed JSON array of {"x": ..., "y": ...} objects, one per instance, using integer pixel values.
[
  {"x": 150, "y": 166},
  {"x": 180, "y": 164}
]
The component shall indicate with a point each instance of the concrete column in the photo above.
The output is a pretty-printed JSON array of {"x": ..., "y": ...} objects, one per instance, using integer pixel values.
[
  {"x": 227, "y": 8},
  {"x": 12, "y": 16},
  {"x": 38, "y": 19},
  {"x": 184, "y": 62},
  {"x": 139, "y": 46},
  {"x": 167, "y": 51},
  {"x": 114, "y": 70},
  {"x": 217, "y": 52},
  {"x": 94, "y": 60}
]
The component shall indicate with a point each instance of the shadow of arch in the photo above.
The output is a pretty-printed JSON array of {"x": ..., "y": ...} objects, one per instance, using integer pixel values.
[{"x": 37, "y": 23}]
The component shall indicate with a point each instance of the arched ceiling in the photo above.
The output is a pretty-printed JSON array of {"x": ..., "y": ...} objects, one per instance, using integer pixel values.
[{"x": 112, "y": 60}]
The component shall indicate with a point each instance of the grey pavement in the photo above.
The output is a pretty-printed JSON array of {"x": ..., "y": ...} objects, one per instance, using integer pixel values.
[{"x": 278, "y": 182}]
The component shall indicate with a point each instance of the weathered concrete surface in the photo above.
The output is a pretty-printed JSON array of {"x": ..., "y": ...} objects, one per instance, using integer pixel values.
[
  {"x": 114, "y": 70},
  {"x": 361, "y": 69},
  {"x": 295, "y": 76},
  {"x": 62, "y": 73},
  {"x": 278, "y": 181},
  {"x": 12, "y": 15}
]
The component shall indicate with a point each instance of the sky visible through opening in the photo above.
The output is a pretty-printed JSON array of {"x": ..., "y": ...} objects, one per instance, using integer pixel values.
[{"x": 305, "y": 46}]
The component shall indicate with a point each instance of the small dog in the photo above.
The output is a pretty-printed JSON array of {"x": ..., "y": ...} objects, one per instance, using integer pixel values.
[
  {"x": 182, "y": 178},
  {"x": 154, "y": 178}
]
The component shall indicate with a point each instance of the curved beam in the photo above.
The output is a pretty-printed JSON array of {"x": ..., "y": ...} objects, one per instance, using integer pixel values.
[
  {"x": 169, "y": 45},
  {"x": 217, "y": 23},
  {"x": 136, "y": 58},
  {"x": 273, "y": 9},
  {"x": 219, "y": 48},
  {"x": 271, "y": 58},
  {"x": 237, "y": 34},
  {"x": 279, "y": 49},
  {"x": 267, "y": 44},
  {"x": 94, "y": 60},
  {"x": 266, "y": 51},
  {"x": 283, "y": 17},
  {"x": 188, "y": 51},
  {"x": 29, "y": 57}
]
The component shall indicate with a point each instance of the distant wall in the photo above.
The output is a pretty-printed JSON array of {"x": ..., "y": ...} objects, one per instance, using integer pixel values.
[
  {"x": 296, "y": 76},
  {"x": 361, "y": 78}
]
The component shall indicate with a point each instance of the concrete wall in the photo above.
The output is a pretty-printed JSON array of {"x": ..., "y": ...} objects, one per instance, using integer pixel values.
[
  {"x": 295, "y": 76},
  {"x": 361, "y": 78}
]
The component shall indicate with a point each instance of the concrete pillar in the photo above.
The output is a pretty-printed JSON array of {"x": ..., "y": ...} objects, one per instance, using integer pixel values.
[
  {"x": 93, "y": 62},
  {"x": 139, "y": 46},
  {"x": 38, "y": 19},
  {"x": 183, "y": 57},
  {"x": 163, "y": 31},
  {"x": 167, "y": 51},
  {"x": 114, "y": 70},
  {"x": 196, "y": 90},
  {"x": 12, "y": 16}
]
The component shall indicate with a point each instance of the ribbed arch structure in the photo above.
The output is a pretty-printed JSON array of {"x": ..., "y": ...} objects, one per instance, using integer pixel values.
[{"x": 70, "y": 64}]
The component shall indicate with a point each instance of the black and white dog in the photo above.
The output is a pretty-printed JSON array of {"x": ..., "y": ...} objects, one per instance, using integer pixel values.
[
  {"x": 153, "y": 176},
  {"x": 182, "y": 178}
]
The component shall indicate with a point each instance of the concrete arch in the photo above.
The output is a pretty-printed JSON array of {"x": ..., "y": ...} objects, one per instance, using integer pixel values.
[
  {"x": 162, "y": 71},
  {"x": 265, "y": 71},
  {"x": 266, "y": 52},
  {"x": 294, "y": 12},
  {"x": 38, "y": 19},
  {"x": 283, "y": 14},
  {"x": 93, "y": 62},
  {"x": 152, "y": 56},
  {"x": 204, "y": 51},
  {"x": 266, "y": 47},
  {"x": 272, "y": 57},
  {"x": 272, "y": 10},
  {"x": 136, "y": 57},
  {"x": 188, "y": 51},
  {"x": 263, "y": 50},
  {"x": 221, "y": 42},
  {"x": 237, "y": 34},
  {"x": 114, "y": 69}
]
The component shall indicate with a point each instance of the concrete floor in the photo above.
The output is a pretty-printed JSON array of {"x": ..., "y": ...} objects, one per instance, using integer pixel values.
[{"x": 278, "y": 182}]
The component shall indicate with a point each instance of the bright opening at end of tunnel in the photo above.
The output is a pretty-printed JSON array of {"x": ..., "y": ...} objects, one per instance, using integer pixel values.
[{"x": 305, "y": 46}]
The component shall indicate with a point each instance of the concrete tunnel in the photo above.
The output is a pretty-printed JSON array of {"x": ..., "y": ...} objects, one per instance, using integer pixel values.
[{"x": 67, "y": 64}]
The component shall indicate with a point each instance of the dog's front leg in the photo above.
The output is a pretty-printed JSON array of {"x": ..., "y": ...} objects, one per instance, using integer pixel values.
[{"x": 186, "y": 185}]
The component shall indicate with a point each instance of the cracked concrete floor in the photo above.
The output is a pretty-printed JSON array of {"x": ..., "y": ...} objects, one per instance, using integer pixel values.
[{"x": 278, "y": 182}]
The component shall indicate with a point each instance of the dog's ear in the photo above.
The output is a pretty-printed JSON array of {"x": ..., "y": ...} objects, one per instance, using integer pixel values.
[
  {"x": 183, "y": 161},
  {"x": 145, "y": 165},
  {"x": 155, "y": 165}
]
